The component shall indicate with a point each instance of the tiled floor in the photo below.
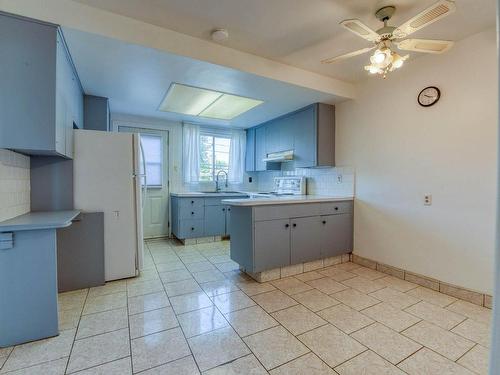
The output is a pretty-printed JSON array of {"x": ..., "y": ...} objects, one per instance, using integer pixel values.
[{"x": 191, "y": 311}]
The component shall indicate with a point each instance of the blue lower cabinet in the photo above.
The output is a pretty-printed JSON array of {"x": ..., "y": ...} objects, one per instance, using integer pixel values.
[
  {"x": 191, "y": 228},
  {"x": 28, "y": 288},
  {"x": 215, "y": 220}
]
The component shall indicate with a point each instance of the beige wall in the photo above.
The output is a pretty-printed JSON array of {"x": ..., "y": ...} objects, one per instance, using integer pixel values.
[
  {"x": 14, "y": 184},
  {"x": 401, "y": 151}
]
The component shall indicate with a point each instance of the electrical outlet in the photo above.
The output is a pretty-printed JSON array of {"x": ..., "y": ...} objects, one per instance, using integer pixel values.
[
  {"x": 339, "y": 179},
  {"x": 427, "y": 200}
]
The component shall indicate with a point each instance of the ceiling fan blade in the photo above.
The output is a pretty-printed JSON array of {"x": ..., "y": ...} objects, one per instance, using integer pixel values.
[
  {"x": 360, "y": 29},
  {"x": 430, "y": 15},
  {"x": 347, "y": 55},
  {"x": 425, "y": 45}
]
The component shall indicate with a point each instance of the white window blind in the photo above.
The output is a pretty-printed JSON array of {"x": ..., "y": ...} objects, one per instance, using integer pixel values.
[{"x": 153, "y": 154}]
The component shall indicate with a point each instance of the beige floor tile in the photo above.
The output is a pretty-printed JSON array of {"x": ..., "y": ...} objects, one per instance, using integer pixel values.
[
  {"x": 368, "y": 273},
  {"x": 252, "y": 288},
  {"x": 232, "y": 301},
  {"x": 56, "y": 367},
  {"x": 216, "y": 259},
  {"x": 363, "y": 285},
  {"x": 476, "y": 360},
  {"x": 348, "y": 266},
  {"x": 386, "y": 342},
  {"x": 298, "y": 319},
  {"x": 475, "y": 312},
  {"x": 227, "y": 266},
  {"x": 178, "y": 288},
  {"x": 345, "y": 318},
  {"x": 152, "y": 321},
  {"x": 275, "y": 347},
  {"x": 291, "y": 285},
  {"x": 208, "y": 275},
  {"x": 426, "y": 361},
  {"x": 72, "y": 300},
  {"x": 145, "y": 275},
  {"x": 170, "y": 266},
  {"x": 337, "y": 274},
  {"x": 96, "y": 350},
  {"x": 321, "y": 341},
  {"x": 274, "y": 301},
  {"x": 176, "y": 275},
  {"x": 431, "y": 296},
  {"x": 214, "y": 288},
  {"x": 69, "y": 319},
  {"x": 201, "y": 266},
  {"x": 474, "y": 331},
  {"x": 4, "y": 352},
  {"x": 190, "y": 302},
  {"x": 158, "y": 348},
  {"x": 355, "y": 299},
  {"x": 216, "y": 348},
  {"x": 147, "y": 302},
  {"x": 201, "y": 321},
  {"x": 36, "y": 352},
  {"x": 248, "y": 365},
  {"x": 327, "y": 285},
  {"x": 368, "y": 363},
  {"x": 105, "y": 303},
  {"x": 391, "y": 316},
  {"x": 308, "y": 276},
  {"x": 399, "y": 299},
  {"x": 146, "y": 287},
  {"x": 108, "y": 288},
  {"x": 441, "y": 341},
  {"x": 187, "y": 259},
  {"x": 315, "y": 300},
  {"x": 250, "y": 320},
  {"x": 308, "y": 364},
  {"x": 120, "y": 367},
  {"x": 436, "y": 315},
  {"x": 183, "y": 366},
  {"x": 106, "y": 321},
  {"x": 397, "y": 283}
]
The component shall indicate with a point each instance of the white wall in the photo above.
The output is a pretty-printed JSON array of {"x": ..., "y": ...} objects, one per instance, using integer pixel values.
[
  {"x": 14, "y": 184},
  {"x": 401, "y": 151}
]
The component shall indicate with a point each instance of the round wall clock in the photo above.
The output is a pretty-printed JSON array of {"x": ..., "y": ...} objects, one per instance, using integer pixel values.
[{"x": 429, "y": 96}]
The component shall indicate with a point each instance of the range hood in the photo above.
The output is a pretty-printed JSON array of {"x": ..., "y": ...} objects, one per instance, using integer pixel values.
[{"x": 278, "y": 157}]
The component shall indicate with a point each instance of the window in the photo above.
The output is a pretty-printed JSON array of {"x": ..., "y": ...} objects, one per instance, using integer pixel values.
[
  {"x": 214, "y": 156},
  {"x": 153, "y": 153}
]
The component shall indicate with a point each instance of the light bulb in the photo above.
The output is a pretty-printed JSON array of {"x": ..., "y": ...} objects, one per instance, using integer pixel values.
[
  {"x": 372, "y": 69},
  {"x": 397, "y": 61},
  {"x": 378, "y": 57}
]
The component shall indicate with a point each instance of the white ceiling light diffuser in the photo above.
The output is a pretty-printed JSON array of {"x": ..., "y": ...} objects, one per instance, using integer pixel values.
[{"x": 196, "y": 101}]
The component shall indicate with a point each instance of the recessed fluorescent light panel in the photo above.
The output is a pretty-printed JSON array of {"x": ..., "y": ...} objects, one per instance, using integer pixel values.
[{"x": 196, "y": 101}]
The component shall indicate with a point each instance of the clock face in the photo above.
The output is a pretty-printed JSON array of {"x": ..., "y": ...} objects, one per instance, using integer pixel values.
[{"x": 428, "y": 96}]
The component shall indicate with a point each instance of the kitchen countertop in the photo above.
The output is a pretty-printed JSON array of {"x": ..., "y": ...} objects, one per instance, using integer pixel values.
[
  {"x": 39, "y": 220},
  {"x": 200, "y": 194},
  {"x": 295, "y": 199}
]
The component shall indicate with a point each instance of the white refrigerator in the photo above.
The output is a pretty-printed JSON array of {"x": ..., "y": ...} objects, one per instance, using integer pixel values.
[{"x": 106, "y": 177}]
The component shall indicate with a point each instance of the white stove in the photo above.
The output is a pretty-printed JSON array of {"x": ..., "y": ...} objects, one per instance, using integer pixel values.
[{"x": 290, "y": 185}]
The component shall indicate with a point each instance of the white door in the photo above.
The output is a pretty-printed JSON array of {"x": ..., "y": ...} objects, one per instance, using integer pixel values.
[{"x": 155, "y": 212}]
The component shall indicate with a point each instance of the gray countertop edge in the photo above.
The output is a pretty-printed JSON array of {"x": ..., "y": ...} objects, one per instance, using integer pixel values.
[
  {"x": 39, "y": 221},
  {"x": 195, "y": 194},
  {"x": 287, "y": 200}
]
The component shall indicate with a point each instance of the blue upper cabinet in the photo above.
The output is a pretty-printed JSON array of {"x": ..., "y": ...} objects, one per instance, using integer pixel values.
[
  {"x": 41, "y": 98},
  {"x": 309, "y": 132},
  {"x": 250, "y": 151}
]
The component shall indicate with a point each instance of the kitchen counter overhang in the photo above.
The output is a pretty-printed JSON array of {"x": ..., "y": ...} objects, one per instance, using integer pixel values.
[{"x": 286, "y": 199}]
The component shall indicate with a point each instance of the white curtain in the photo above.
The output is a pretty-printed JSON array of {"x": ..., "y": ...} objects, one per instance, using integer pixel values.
[
  {"x": 191, "y": 153},
  {"x": 237, "y": 156}
]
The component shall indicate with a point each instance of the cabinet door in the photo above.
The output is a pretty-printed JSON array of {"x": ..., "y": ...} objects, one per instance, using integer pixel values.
[
  {"x": 305, "y": 242},
  {"x": 215, "y": 220},
  {"x": 228, "y": 220},
  {"x": 250, "y": 151},
  {"x": 271, "y": 244},
  {"x": 260, "y": 148},
  {"x": 305, "y": 132},
  {"x": 286, "y": 134},
  {"x": 272, "y": 137},
  {"x": 336, "y": 235}
]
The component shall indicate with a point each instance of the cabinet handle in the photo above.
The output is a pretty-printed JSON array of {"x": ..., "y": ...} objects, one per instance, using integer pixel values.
[
  {"x": 192, "y": 213},
  {"x": 229, "y": 209},
  {"x": 223, "y": 209},
  {"x": 336, "y": 208},
  {"x": 287, "y": 225},
  {"x": 294, "y": 225},
  {"x": 192, "y": 202},
  {"x": 192, "y": 228},
  {"x": 324, "y": 222}
]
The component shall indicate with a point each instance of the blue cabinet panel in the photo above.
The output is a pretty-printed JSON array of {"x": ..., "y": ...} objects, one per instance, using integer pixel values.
[
  {"x": 215, "y": 220},
  {"x": 250, "y": 151},
  {"x": 303, "y": 126},
  {"x": 260, "y": 148}
]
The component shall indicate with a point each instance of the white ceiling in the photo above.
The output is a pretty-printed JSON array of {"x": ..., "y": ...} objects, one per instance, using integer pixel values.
[
  {"x": 136, "y": 78},
  {"x": 298, "y": 32}
]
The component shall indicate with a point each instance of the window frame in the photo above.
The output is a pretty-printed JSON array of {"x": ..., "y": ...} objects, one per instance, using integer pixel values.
[{"x": 214, "y": 135}]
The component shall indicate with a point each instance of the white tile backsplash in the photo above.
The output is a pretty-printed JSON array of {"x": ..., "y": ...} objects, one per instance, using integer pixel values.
[{"x": 14, "y": 184}]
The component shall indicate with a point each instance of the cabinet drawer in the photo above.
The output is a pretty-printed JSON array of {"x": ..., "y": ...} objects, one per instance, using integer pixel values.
[
  {"x": 192, "y": 212},
  {"x": 191, "y": 203},
  {"x": 262, "y": 213},
  {"x": 332, "y": 208},
  {"x": 191, "y": 228}
]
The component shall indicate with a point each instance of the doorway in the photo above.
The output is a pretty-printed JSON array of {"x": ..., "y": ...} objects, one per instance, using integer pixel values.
[{"x": 155, "y": 183}]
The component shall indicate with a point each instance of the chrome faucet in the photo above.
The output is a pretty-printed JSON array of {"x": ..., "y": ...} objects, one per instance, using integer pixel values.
[{"x": 217, "y": 187}]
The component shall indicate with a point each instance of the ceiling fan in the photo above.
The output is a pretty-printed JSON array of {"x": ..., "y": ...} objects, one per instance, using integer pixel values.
[{"x": 385, "y": 59}]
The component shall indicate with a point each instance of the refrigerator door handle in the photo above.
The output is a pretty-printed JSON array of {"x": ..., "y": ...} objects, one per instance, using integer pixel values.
[{"x": 144, "y": 187}]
